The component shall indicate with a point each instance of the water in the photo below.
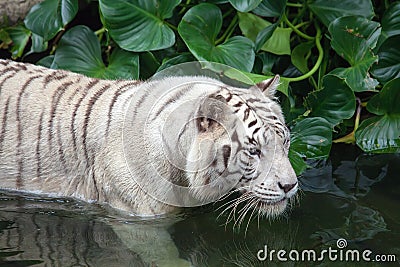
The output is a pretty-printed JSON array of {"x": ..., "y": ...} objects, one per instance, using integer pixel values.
[{"x": 351, "y": 196}]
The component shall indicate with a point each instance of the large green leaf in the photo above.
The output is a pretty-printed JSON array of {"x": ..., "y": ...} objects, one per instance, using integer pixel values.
[
  {"x": 258, "y": 29},
  {"x": 270, "y": 8},
  {"x": 199, "y": 29},
  {"x": 311, "y": 138},
  {"x": 329, "y": 10},
  {"x": 390, "y": 23},
  {"x": 50, "y": 16},
  {"x": 388, "y": 66},
  {"x": 245, "y": 5},
  {"x": 138, "y": 25},
  {"x": 381, "y": 134},
  {"x": 387, "y": 101},
  {"x": 357, "y": 77},
  {"x": 335, "y": 102},
  {"x": 353, "y": 38},
  {"x": 79, "y": 51},
  {"x": 20, "y": 37}
]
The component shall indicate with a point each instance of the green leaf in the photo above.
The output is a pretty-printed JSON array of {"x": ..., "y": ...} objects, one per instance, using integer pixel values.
[
  {"x": 388, "y": 66},
  {"x": 50, "y": 16},
  {"x": 381, "y": 134},
  {"x": 148, "y": 65},
  {"x": 199, "y": 28},
  {"x": 38, "y": 44},
  {"x": 20, "y": 37},
  {"x": 387, "y": 101},
  {"x": 390, "y": 23},
  {"x": 270, "y": 8},
  {"x": 182, "y": 58},
  {"x": 122, "y": 65},
  {"x": 5, "y": 39},
  {"x": 299, "y": 56},
  {"x": 245, "y": 5},
  {"x": 335, "y": 102},
  {"x": 357, "y": 77},
  {"x": 298, "y": 163},
  {"x": 264, "y": 35},
  {"x": 46, "y": 61},
  {"x": 138, "y": 25},
  {"x": 329, "y": 10},
  {"x": 268, "y": 61},
  {"x": 79, "y": 51},
  {"x": 258, "y": 29},
  {"x": 353, "y": 38},
  {"x": 311, "y": 138}
]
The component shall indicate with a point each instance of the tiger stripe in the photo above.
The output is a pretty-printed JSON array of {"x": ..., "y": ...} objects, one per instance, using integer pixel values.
[
  {"x": 19, "y": 181},
  {"x": 176, "y": 96},
  {"x": 54, "y": 104},
  {"x": 38, "y": 156},
  {"x": 75, "y": 112},
  {"x": 89, "y": 108},
  {"x": 4, "y": 123},
  {"x": 114, "y": 99}
]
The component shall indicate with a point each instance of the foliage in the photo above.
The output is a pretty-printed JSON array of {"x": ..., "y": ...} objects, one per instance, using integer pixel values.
[{"x": 330, "y": 54}]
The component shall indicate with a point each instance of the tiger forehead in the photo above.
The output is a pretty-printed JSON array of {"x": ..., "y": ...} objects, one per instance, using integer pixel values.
[{"x": 245, "y": 107}]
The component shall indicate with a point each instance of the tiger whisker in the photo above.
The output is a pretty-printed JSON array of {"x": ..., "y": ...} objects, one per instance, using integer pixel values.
[
  {"x": 233, "y": 200},
  {"x": 251, "y": 215},
  {"x": 232, "y": 203},
  {"x": 234, "y": 206},
  {"x": 242, "y": 213}
]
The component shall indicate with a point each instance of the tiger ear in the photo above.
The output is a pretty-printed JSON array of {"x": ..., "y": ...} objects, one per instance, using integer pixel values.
[
  {"x": 210, "y": 113},
  {"x": 269, "y": 86},
  {"x": 205, "y": 124}
]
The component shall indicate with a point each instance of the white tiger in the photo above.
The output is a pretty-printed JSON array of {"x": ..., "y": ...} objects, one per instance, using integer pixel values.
[{"x": 141, "y": 147}]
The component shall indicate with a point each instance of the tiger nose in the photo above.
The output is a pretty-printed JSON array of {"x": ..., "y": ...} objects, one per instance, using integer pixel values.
[{"x": 286, "y": 187}]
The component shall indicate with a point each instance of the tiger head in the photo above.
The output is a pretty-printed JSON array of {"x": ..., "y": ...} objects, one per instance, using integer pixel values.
[{"x": 242, "y": 137}]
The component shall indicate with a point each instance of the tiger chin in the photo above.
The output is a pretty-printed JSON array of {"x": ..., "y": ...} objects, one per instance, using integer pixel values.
[{"x": 147, "y": 148}]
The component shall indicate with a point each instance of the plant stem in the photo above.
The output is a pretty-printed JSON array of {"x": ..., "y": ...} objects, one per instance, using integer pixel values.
[
  {"x": 302, "y": 24},
  {"x": 184, "y": 8},
  {"x": 319, "y": 60},
  {"x": 296, "y": 30},
  {"x": 56, "y": 40},
  {"x": 228, "y": 32},
  {"x": 171, "y": 26},
  {"x": 300, "y": 15},
  {"x": 100, "y": 31},
  {"x": 294, "y": 4},
  {"x": 228, "y": 13},
  {"x": 350, "y": 138}
]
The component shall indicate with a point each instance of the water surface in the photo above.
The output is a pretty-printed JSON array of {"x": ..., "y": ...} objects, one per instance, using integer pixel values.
[{"x": 351, "y": 196}]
